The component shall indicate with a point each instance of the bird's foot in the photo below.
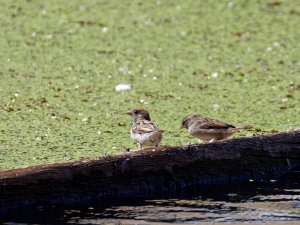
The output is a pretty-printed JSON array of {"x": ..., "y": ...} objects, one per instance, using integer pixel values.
[{"x": 212, "y": 140}]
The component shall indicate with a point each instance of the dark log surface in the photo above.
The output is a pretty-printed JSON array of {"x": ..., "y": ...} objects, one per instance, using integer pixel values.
[{"x": 151, "y": 171}]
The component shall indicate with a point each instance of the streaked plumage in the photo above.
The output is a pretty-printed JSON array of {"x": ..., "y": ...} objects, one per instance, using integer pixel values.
[
  {"x": 208, "y": 129},
  {"x": 145, "y": 132}
]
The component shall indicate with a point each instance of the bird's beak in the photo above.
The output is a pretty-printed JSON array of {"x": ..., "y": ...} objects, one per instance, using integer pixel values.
[{"x": 128, "y": 113}]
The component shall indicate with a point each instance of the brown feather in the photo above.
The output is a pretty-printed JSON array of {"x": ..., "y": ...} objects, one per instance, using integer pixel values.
[
  {"x": 207, "y": 123},
  {"x": 144, "y": 126}
]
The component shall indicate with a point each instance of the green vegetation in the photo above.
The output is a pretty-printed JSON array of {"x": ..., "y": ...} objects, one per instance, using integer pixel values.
[{"x": 61, "y": 60}]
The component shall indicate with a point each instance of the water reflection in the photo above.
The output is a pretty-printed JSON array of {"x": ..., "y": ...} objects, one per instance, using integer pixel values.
[{"x": 276, "y": 201}]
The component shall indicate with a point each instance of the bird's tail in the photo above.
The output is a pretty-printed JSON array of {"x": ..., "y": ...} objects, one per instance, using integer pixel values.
[
  {"x": 244, "y": 127},
  {"x": 156, "y": 136}
]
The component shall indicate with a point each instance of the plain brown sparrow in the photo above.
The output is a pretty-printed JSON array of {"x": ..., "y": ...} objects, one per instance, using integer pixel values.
[
  {"x": 145, "y": 132},
  {"x": 207, "y": 129}
]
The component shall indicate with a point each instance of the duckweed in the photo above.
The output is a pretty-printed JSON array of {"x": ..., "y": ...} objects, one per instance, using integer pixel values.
[{"x": 237, "y": 61}]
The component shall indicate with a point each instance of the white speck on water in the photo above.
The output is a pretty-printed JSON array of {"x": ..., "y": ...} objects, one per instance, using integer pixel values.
[
  {"x": 123, "y": 69},
  {"x": 144, "y": 75},
  {"x": 269, "y": 49},
  {"x": 154, "y": 78},
  {"x": 148, "y": 22},
  {"x": 230, "y": 4},
  {"x": 157, "y": 2},
  {"x": 77, "y": 87},
  {"x": 71, "y": 31},
  {"x": 180, "y": 84},
  {"x": 216, "y": 106},
  {"x": 249, "y": 49},
  {"x": 99, "y": 132},
  {"x": 109, "y": 76},
  {"x": 150, "y": 71},
  {"x": 105, "y": 29},
  {"x": 85, "y": 119},
  {"x": 142, "y": 100},
  {"x": 284, "y": 100},
  {"x": 178, "y": 7},
  {"x": 38, "y": 138},
  {"x": 123, "y": 87},
  {"x": 8, "y": 60},
  {"x": 214, "y": 75},
  {"x": 49, "y": 36},
  {"x": 183, "y": 33},
  {"x": 44, "y": 12},
  {"x": 276, "y": 44},
  {"x": 159, "y": 49},
  {"x": 33, "y": 34}
]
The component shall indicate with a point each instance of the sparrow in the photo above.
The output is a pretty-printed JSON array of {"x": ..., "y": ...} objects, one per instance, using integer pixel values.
[
  {"x": 209, "y": 130},
  {"x": 145, "y": 132}
]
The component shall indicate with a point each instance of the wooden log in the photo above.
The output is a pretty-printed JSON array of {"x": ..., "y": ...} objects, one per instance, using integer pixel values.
[{"x": 152, "y": 171}]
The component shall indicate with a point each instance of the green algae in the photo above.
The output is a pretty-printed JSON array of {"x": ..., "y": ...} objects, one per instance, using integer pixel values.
[{"x": 60, "y": 61}]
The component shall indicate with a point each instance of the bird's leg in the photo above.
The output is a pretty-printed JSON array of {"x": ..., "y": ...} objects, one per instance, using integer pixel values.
[
  {"x": 140, "y": 146},
  {"x": 212, "y": 140}
]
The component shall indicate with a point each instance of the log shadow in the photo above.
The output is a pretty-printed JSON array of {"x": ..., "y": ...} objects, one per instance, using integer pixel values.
[{"x": 204, "y": 203}]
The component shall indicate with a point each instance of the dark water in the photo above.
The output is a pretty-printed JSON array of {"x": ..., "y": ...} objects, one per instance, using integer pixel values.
[{"x": 255, "y": 202}]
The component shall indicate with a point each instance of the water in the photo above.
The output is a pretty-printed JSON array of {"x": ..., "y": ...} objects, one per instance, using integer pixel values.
[{"x": 256, "y": 202}]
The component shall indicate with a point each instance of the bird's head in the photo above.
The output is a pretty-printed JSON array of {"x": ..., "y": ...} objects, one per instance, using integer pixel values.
[
  {"x": 139, "y": 114},
  {"x": 186, "y": 121}
]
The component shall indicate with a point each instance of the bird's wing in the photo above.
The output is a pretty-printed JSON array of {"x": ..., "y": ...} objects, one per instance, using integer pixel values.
[
  {"x": 144, "y": 126},
  {"x": 208, "y": 123}
]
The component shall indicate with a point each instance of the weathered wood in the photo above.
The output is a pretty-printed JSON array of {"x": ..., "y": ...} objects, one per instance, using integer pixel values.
[{"x": 151, "y": 171}]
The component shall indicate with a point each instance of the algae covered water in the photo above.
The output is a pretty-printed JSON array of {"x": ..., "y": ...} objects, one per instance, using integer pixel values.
[
  {"x": 237, "y": 61},
  {"x": 276, "y": 201}
]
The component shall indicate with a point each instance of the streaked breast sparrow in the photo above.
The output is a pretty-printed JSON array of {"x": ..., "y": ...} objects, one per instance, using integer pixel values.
[{"x": 145, "y": 132}]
